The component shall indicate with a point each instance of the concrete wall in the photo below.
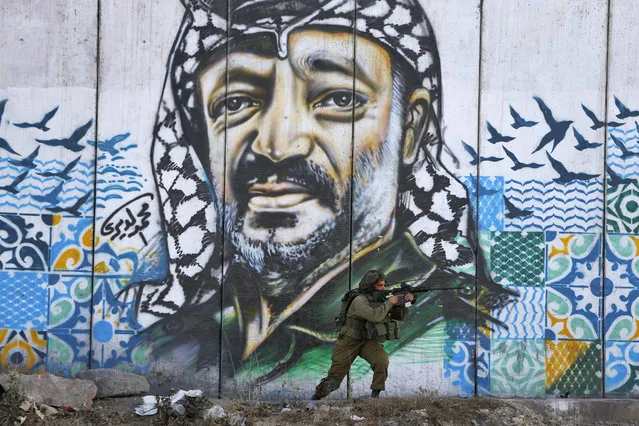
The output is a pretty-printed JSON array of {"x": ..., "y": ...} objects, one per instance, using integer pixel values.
[{"x": 186, "y": 192}]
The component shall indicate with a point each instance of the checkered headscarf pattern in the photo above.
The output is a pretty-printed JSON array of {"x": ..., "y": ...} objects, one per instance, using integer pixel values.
[{"x": 433, "y": 204}]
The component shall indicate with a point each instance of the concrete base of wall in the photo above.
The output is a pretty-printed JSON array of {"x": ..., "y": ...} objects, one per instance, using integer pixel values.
[{"x": 587, "y": 411}]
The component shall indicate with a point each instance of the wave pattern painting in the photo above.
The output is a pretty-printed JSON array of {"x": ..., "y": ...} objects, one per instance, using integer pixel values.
[{"x": 572, "y": 207}]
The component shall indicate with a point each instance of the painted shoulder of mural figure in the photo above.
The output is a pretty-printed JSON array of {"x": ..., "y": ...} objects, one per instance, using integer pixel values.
[{"x": 280, "y": 161}]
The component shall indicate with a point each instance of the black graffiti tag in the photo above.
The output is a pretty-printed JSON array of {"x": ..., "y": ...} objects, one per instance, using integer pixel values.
[{"x": 129, "y": 220}]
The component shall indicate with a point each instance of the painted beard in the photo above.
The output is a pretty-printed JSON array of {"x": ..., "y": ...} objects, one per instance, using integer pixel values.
[
  {"x": 282, "y": 244},
  {"x": 374, "y": 189},
  {"x": 283, "y": 264}
]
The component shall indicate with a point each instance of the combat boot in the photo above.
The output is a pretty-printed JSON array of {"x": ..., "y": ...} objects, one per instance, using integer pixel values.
[{"x": 325, "y": 386}]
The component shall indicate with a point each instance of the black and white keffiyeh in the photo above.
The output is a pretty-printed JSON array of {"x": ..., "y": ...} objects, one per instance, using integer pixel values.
[{"x": 433, "y": 205}]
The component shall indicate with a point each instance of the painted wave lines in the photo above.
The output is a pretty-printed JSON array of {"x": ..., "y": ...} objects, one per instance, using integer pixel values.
[{"x": 525, "y": 319}]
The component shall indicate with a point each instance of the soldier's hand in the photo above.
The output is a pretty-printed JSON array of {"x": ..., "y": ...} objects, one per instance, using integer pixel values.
[
  {"x": 409, "y": 297},
  {"x": 394, "y": 299}
]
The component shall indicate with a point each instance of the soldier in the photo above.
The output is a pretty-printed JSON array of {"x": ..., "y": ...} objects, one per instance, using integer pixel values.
[{"x": 369, "y": 320}]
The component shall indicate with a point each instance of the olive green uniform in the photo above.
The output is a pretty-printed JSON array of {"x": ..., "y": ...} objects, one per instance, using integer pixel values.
[{"x": 368, "y": 322}]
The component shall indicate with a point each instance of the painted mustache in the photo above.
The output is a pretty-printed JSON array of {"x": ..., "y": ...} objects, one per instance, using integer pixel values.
[{"x": 291, "y": 180}]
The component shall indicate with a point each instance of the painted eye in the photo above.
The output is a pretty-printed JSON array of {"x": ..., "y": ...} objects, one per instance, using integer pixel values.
[
  {"x": 341, "y": 99},
  {"x": 233, "y": 105}
]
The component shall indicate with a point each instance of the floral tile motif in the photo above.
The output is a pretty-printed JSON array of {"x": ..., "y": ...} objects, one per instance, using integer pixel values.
[
  {"x": 517, "y": 368},
  {"x": 69, "y": 324},
  {"x": 525, "y": 318},
  {"x": 68, "y": 352},
  {"x": 24, "y": 242},
  {"x": 572, "y": 259},
  {"x": 483, "y": 362},
  {"x": 72, "y": 244},
  {"x": 23, "y": 300},
  {"x": 517, "y": 258},
  {"x": 621, "y": 312},
  {"x": 622, "y": 260},
  {"x": 458, "y": 366},
  {"x": 622, "y": 207},
  {"x": 573, "y": 367},
  {"x": 22, "y": 351},
  {"x": 573, "y": 313},
  {"x": 126, "y": 262},
  {"x": 622, "y": 369},
  {"x": 69, "y": 302},
  {"x": 114, "y": 327}
]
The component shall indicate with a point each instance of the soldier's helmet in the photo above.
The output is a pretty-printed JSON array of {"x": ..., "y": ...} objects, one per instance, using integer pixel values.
[{"x": 369, "y": 279}]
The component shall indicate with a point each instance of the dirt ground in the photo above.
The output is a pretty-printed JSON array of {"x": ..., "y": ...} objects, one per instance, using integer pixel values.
[
  {"x": 384, "y": 411},
  {"x": 439, "y": 411}
]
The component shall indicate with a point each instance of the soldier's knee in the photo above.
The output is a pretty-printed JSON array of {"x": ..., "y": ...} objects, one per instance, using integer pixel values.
[
  {"x": 380, "y": 364},
  {"x": 381, "y": 360}
]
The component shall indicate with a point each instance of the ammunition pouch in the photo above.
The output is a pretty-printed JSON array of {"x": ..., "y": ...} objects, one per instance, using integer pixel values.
[
  {"x": 392, "y": 330},
  {"x": 387, "y": 330}
]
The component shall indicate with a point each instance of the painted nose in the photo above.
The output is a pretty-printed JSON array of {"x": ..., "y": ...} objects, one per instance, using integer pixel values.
[
  {"x": 285, "y": 130},
  {"x": 283, "y": 133}
]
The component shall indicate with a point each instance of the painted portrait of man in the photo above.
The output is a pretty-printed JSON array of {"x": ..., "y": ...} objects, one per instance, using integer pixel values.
[{"x": 298, "y": 145}]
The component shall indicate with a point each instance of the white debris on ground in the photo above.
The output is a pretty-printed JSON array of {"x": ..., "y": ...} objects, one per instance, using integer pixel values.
[
  {"x": 149, "y": 405},
  {"x": 214, "y": 413}
]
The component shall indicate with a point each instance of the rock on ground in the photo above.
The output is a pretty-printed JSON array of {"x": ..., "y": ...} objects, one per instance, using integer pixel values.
[
  {"x": 112, "y": 383},
  {"x": 55, "y": 391}
]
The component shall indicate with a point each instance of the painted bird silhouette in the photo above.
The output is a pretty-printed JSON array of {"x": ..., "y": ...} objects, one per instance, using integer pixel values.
[
  {"x": 513, "y": 212},
  {"x": 13, "y": 186},
  {"x": 582, "y": 143},
  {"x": 27, "y": 161},
  {"x": 64, "y": 173},
  {"x": 42, "y": 124},
  {"x": 5, "y": 145},
  {"x": 109, "y": 144},
  {"x": 596, "y": 122},
  {"x": 51, "y": 197},
  {"x": 558, "y": 129},
  {"x": 625, "y": 112},
  {"x": 74, "y": 209},
  {"x": 519, "y": 121},
  {"x": 518, "y": 164},
  {"x": 484, "y": 192},
  {"x": 564, "y": 175},
  {"x": 70, "y": 143},
  {"x": 469, "y": 149},
  {"x": 495, "y": 136},
  {"x": 615, "y": 179},
  {"x": 3, "y": 103},
  {"x": 625, "y": 152}
]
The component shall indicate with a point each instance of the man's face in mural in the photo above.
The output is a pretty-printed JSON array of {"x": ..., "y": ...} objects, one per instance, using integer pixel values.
[{"x": 289, "y": 128}]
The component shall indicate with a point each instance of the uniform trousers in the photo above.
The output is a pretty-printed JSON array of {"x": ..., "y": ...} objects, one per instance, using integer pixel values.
[{"x": 348, "y": 348}]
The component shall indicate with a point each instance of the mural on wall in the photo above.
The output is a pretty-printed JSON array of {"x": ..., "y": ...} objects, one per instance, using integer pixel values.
[
  {"x": 263, "y": 243},
  {"x": 297, "y": 145}
]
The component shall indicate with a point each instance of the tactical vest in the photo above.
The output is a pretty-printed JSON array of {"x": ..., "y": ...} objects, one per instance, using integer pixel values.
[{"x": 388, "y": 329}]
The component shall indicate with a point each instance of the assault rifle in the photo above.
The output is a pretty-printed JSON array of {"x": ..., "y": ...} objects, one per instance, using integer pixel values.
[{"x": 404, "y": 288}]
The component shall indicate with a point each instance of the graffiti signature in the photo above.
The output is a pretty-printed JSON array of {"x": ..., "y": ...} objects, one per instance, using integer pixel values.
[{"x": 129, "y": 220}]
